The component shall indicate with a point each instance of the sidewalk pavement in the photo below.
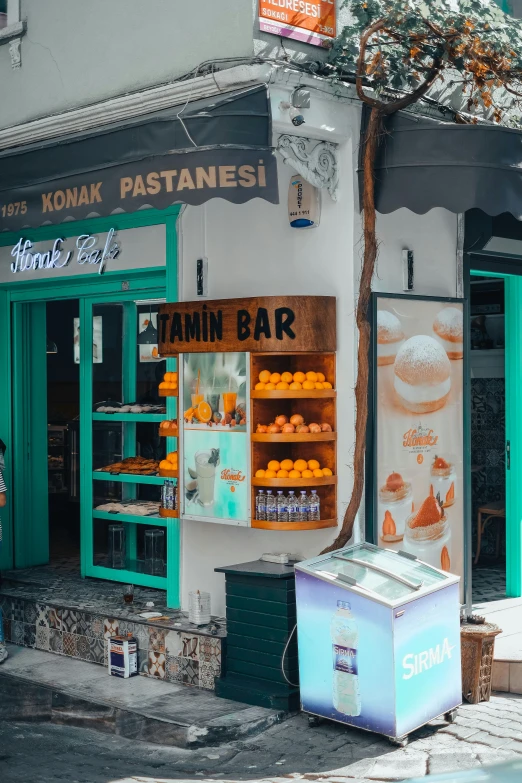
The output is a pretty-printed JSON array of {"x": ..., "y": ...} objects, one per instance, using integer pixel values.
[{"x": 487, "y": 733}]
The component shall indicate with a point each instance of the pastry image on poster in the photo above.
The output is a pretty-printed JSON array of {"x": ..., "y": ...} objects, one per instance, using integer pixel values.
[{"x": 418, "y": 350}]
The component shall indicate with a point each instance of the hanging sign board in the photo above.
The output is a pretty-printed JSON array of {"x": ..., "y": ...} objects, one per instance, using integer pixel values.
[
  {"x": 418, "y": 450},
  {"x": 270, "y": 323},
  {"x": 311, "y": 22}
]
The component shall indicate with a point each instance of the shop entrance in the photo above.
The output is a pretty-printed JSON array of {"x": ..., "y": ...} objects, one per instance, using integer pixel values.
[
  {"x": 86, "y": 442},
  {"x": 488, "y": 435},
  {"x": 495, "y": 292}
]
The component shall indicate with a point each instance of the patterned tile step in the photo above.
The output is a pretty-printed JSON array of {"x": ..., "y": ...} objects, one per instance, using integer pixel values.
[
  {"x": 66, "y": 691},
  {"x": 76, "y": 617}
]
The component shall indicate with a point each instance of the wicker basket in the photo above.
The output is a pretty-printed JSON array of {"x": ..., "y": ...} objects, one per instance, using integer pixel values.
[{"x": 477, "y": 648}]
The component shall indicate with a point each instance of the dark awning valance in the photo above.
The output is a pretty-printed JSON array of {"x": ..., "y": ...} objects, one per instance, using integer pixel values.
[
  {"x": 424, "y": 163},
  {"x": 215, "y": 147}
]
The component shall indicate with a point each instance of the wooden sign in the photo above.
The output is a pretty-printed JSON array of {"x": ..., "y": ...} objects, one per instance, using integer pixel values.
[{"x": 270, "y": 323}]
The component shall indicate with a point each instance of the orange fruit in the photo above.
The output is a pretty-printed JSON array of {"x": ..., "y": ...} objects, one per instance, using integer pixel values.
[
  {"x": 270, "y": 474},
  {"x": 313, "y": 464},
  {"x": 327, "y": 472},
  {"x": 264, "y": 376},
  {"x": 287, "y": 464},
  {"x": 307, "y": 474},
  {"x": 319, "y": 385},
  {"x": 327, "y": 385},
  {"x": 282, "y": 474},
  {"x": 189, "y": 413},
  {"x": 163, "y": 385},
  {"x": 173, "y": 456},
  {"x": 282, "y": 386},
  {"x": 308, "y": 384},
  {"x": 300, "y": 464},
  {"x": 318, "y": 473},
  {"x": 287, "y": 377},
  {"x": 296, "y": 386},
  {"x": 320, "y": 377},
  {"x": 204, "y": 411},
  {"x": 260, "y": 386},
  {"x": 275, "y": 377},
  {"x": 294, "y": 474},
  {"x": 311, "y": 376},
  {"x": 165, "y": 465},
  {"x": 260, "y": 474},
  {"x": 269, "y": 386},
  {"x": 274, "y": 465},
  {"x": 299, "y": 377}
]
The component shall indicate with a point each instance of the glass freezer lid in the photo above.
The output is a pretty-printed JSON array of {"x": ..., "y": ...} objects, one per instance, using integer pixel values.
[{"x": 388, "y": 575}]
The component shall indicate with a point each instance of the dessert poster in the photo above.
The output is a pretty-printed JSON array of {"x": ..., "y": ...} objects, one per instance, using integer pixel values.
[{"x": 418, "y": 347}]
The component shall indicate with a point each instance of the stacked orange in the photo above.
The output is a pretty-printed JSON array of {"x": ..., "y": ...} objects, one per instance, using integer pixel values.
[
  {"x": 170, "y": 381},
  {"x": 169, "y": 424},
  {"x": 171, "y": 462},
  {"x": 286, "y": 381},
  {"x": 287, "y": 468}
]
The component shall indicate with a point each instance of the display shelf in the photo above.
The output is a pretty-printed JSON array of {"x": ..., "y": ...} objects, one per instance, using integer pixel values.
[
  {"x": 313, "y": 405},
  {"x": 294, "y": 482},
  {"x": 112, "y": 517},
  {"x": 322, "y": 523},
  {"x": 165, "y": 432},
  {"x": 167, "y": 392},
  {"x": 169, "y": 513},
  {"x": 294, "y": 437},
  {"x": 299, "y": 394},
  {"x": 169, "y": 473},
  {"x": 126, "y": 478},
  {"x": 129, "y": 417}
]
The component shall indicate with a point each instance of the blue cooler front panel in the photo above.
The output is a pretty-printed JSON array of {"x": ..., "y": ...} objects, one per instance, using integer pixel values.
[
  {"x": 346, "y": 670},
  {"x": 427, "y": 658}
]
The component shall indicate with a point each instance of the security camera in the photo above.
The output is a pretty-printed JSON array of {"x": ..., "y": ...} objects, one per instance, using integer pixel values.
[{"x": 296, "y": 116}]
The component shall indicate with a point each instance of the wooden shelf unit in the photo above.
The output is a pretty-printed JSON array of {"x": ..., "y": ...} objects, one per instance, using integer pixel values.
[{"x": 315, "y": 406}]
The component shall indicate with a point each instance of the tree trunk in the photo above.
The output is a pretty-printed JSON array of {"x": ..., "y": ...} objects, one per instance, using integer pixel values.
[{"x": 365, "y": 289}]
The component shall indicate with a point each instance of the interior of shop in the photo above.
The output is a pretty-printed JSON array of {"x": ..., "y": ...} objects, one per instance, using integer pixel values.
[
  {"x": 115, "y": 383},
  {"x": 488, "y": 433}
]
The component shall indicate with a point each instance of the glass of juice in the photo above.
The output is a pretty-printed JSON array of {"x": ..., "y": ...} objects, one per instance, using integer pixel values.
[
  {"x": 196, "y": 399},
  {"x": 229, "y": 401}
]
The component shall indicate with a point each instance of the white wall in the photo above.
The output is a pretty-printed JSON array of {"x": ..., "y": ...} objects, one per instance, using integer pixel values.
[
  {"x": 252, "y": 250},
  {"x": 433, "y": 239},
  {"x": 76, "y": 53}
]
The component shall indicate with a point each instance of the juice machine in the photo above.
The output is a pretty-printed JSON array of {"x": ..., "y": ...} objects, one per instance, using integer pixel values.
[{"x": 379, "y": 640}]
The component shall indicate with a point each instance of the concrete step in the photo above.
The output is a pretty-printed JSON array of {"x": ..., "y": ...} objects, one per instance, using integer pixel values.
[
  {"x": 40, "y": 686},
  {"x": 507, "y": 664}
]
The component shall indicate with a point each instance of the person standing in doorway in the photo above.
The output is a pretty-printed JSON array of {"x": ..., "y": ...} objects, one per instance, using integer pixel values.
[{"x": 3, "y": 501}]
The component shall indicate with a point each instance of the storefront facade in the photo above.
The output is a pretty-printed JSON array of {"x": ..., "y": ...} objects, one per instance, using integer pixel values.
[
  {"x": 140, "y": 265},
  {"x": 251, "y": 250}
]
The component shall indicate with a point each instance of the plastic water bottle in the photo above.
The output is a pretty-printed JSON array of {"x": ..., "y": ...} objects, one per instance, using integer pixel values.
[
  {"x": 314, "y": 513},
  {"x": 282, "y": 507},
  {"x": 293, "y": 507},
  {"x": 271, "y": 511},
  {"x": 302, "y": 507},
  {"x": 261, "y": 506},
  {"x": 345, "y": 641}
]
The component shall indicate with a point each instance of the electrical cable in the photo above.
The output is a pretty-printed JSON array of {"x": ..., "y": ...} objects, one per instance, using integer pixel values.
[{"x": 293, "y": 684}]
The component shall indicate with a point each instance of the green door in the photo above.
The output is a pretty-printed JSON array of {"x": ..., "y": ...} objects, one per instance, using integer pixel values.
[{"x": 30, "y": 434}]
